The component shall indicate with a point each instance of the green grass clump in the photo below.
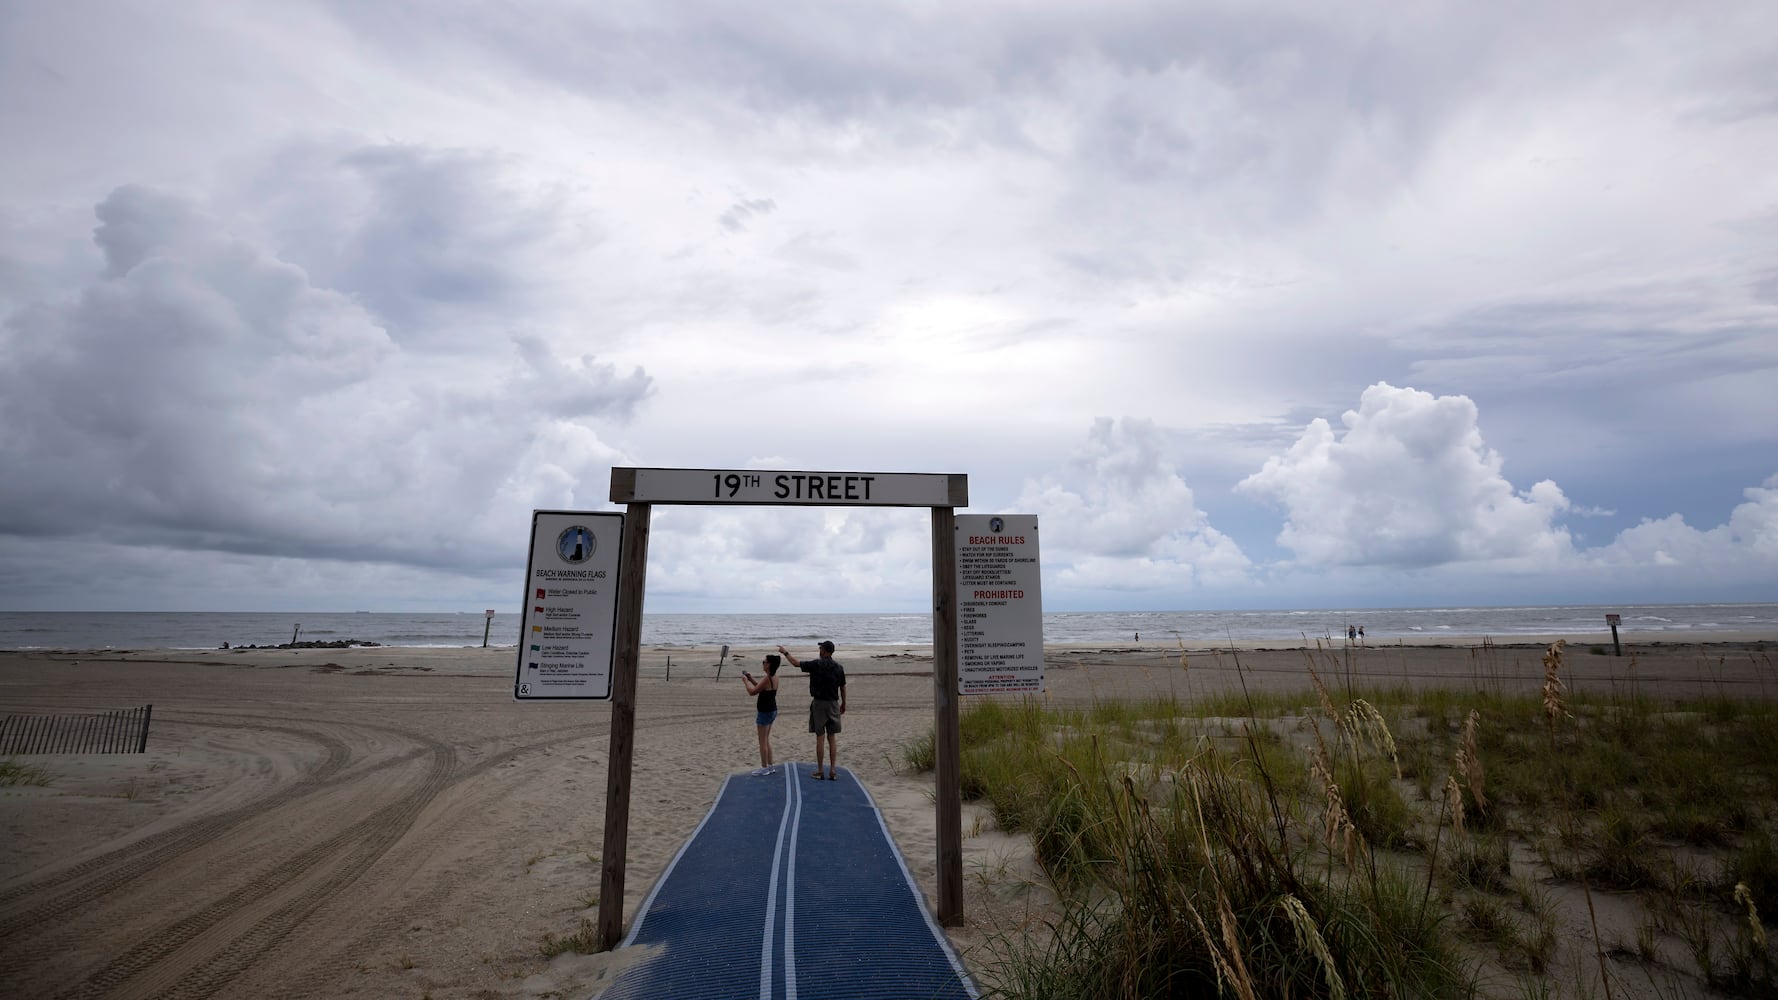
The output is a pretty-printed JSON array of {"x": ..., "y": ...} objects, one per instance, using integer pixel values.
[
  {"x": 14, "y": 773},
  {"x": 1288, "y": 844},
  {"x": 1187, "y": 863}
]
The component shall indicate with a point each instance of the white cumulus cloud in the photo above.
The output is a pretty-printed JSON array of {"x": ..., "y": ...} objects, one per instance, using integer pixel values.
[
  {"x": 1748, "y": 540},
  {"x": 1409, "y": 482},
  {"x": 1119, "y": 516}
]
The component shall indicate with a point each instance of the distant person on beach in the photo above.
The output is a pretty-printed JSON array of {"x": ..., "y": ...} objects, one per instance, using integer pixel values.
[
  {"x": 765, "y": 688},
  {"x": 1361, "y": 633},
  {"x": 827, "y": 702},
  {"x": 1351, "y": 633}
]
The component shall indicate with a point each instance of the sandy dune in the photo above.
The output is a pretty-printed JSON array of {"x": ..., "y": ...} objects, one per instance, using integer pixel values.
[{"x": 383, "y": 822}]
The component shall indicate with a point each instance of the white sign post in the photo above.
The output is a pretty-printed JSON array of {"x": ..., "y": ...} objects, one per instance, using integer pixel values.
[
  {"x": 999, "y": 604},
  {"x": 568, "y": 630}
]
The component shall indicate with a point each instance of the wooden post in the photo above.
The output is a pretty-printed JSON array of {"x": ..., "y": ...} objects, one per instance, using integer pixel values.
[
  {"x": 627, "y": 640},
  {"x": 946, "y": 737}
]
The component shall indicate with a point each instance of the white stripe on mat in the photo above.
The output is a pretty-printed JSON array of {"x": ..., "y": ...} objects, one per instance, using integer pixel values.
[
  {"x": 796, "y": 822},
  {"x": 765, "y": 947}
]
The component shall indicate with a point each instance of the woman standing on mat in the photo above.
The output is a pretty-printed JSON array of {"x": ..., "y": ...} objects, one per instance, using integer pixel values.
[{"x": 766, "y": 710}]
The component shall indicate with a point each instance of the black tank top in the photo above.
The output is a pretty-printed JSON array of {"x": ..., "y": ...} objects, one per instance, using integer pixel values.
[{"x": 768, "y": 700}]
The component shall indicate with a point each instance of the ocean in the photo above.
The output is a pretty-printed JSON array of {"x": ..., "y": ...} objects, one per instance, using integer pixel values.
[{"x": 209, "y": 630}]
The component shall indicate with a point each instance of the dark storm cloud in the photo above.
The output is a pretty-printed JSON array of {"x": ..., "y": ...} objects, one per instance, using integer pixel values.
[
  {"x": 431, "y": 241},
  {"x": 136, "y": 398},
  {"x": 741, "y": 212},
  {"x": 889, "y": 62},
  {"x": 202, "y": 393},
  {"x": 1577, "y": 388},
  {"x": 573, "y": 388},
  {"x": 1765, "y": 288}
]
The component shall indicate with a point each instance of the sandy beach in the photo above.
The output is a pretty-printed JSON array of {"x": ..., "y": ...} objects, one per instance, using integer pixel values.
[{"x": 386, "y": 822}]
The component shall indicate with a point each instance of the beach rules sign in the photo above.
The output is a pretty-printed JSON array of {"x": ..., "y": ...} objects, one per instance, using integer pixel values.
[
  {"x": 569, "y": 629},
  {"x": 999, "y": 604}
]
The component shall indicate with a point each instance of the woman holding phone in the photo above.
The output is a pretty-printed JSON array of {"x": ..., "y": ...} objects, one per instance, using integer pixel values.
[{"x": 766, "y": 709}]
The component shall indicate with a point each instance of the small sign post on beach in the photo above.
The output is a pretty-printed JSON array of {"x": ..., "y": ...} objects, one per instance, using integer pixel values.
[
  {"x": 999, "y": 604},
  {"x": 1613, "y": 620},
  {"x": 569, "y": 627}
]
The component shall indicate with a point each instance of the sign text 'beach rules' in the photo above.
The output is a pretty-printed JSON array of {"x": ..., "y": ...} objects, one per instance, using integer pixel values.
[
  {"x": 999, "y": 604},
  {"x": 568, "y": 633}
]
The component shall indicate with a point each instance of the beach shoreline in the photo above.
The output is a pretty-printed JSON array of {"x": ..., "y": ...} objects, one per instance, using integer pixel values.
[
  {"x": 700, "y": 652},
  {"x": 387, "y": 821}
]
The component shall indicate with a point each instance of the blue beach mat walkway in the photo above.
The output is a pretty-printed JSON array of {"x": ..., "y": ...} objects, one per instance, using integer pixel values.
[{"x": 790, "y": 887}]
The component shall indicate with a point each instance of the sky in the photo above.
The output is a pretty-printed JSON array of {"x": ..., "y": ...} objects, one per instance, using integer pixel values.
[{"x": 309, "y": 305}]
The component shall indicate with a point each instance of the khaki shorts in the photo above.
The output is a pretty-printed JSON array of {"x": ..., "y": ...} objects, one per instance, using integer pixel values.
[{"x": 824, "y": 717}]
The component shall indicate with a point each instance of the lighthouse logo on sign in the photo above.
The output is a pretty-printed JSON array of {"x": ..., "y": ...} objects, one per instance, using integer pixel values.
[{"x": 576, "y": 545}]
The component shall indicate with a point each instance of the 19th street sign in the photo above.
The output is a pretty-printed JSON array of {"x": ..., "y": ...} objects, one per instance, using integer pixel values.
[{"x": 758, "y": 486}]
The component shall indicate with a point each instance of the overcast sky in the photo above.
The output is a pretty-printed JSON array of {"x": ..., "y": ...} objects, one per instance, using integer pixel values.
[{"x": 307, "y": 306}]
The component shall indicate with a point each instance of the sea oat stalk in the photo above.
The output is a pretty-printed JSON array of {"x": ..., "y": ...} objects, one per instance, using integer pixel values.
[
  {"x": 1310, "y": 937},
  {"x": 1553, "y": 708},
  {"x": 1469, "y": 760},
  {"x": 1744, "y": 896},
  {"x": 1454, "y": 800},
  {"x": 1364, "y": 720},
  {"x": 1336, "y": 823}
]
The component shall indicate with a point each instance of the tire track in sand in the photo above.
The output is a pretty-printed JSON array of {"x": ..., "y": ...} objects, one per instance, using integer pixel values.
[
  {"x": 107, "y": 872},
  {"x": 171, "y": 961},
  {"x": 351, "y": 850}
]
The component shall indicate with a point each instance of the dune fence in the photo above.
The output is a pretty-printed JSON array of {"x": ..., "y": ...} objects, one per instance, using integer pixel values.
[{"x": 122, "y": 731}]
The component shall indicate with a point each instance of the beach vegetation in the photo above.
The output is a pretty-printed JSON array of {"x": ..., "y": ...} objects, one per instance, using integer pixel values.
[
  {"x": 14, "y": 773},
  {"x": 1353, "y": 842},
  {"x": 919, "y": 754},
  {"x": 584, "y": 940}
]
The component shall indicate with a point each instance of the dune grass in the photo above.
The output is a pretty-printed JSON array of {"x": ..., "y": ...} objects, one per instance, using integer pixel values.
[
  {"x": 1382, "y": 842},
  {"x": 14, "y": 773}
]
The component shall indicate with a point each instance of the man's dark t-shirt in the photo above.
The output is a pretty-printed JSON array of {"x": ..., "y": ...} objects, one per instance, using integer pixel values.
[{"x": 826, "y": 677}]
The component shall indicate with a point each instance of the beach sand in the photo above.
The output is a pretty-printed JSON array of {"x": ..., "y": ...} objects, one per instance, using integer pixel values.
[{"x": 386, "y": 822}]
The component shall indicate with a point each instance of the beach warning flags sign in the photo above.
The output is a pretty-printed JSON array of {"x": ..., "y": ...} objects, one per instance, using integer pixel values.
[{"x": 571, "y": 619}]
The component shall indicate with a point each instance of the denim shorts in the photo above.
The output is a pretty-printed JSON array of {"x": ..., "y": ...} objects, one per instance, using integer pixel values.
[{"x": 765, "y": 718}]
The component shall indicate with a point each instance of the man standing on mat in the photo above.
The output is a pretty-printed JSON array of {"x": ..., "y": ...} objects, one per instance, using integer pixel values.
[{"x": 827, "y": 694}]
